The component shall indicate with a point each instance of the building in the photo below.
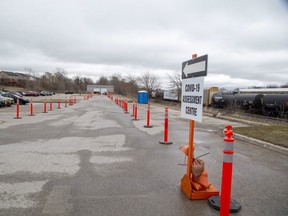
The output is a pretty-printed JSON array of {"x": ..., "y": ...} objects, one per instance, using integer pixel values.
[
  {"x": 101, "y": 89},
  {"x": 14, "y": 78},
  {"x": 9, "y": 78}
]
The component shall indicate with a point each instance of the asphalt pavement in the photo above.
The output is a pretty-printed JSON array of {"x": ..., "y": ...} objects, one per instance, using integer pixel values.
[{"x": 93, "y": 159}]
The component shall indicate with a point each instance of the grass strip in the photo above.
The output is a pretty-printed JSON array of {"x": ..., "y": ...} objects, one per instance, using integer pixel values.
[{"x": 276, "y": 134}]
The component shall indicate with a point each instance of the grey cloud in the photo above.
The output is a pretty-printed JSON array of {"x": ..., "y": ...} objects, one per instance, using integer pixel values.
[{"x": 244, "y": 39}]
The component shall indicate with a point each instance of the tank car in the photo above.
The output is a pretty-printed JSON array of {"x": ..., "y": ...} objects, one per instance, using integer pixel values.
[
  {"x": 248, "y": 101},
  {"x": 219, "y": 100},
  {"x": 275, "y": 104}
]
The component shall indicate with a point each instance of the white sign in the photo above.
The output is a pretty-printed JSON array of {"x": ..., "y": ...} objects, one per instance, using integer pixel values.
[{"x": 192, "y": 98}]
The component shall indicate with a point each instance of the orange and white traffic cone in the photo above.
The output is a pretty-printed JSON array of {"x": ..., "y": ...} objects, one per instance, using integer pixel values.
[
  {"x": 17, "y": 110},
  {"x": 224, "y": 203},
  {"x": 166, "y": 129},
  {"x": 31, "y": 108},
  {"x": 148, "y": 117}
]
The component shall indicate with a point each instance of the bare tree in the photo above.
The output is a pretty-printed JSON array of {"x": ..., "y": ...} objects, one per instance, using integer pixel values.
[
  {"x": 175, "y": 82},
  {"x": 119, "y": 83},
  {"x": 28, "y": 78},
  {"x": 60, "y": 79},
  {"x": 272, "y": 86},
  {"x": 77, "y": 84},
  {"x": 131, "y": 87},
  {"x": 284, "y": 85},
  {"x": 103, "y": 80},
  {"x": 149, "y": 82},
  {"x": 51, "y": 81}
]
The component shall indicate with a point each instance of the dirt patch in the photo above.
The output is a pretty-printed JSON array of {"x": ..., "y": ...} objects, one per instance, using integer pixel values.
[{"x": 10, "y": 88}]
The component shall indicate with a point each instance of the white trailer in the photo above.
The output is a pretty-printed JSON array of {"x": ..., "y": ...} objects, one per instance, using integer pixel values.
[
  {"x": 170, "y": 95},
  {"x": 104, "y": 90},
  {"x": 97, "y": 90}
]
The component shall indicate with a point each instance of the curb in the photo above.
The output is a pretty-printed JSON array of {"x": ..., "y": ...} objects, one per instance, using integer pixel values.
[
  {"x": 260, "y": 143},
  {"x": 250, "y": 140},
  {"x": 236, "y": 120}
]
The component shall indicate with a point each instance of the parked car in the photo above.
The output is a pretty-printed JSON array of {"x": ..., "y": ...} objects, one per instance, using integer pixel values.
[
  {"x": 30, "y": 93},
  {"x": 7, "y": 94},
  {"x": 8, "y": 101},
  {"x": 46, "y": 93},
  {"x": 22, "y": 100},
  {"x": 20, "y": 92},
  {"x": 68, "y": 92},
  {"x": 43, "y": 93},
  {"x": 14, "y": 96},
  {"x": 2, "y": 103},
  {"x": 17, "y": 93},
  {"x": 7, "y": 97}
]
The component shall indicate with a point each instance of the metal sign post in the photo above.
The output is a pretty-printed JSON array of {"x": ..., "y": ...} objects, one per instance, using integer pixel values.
[{"x": 193, "y": 72}]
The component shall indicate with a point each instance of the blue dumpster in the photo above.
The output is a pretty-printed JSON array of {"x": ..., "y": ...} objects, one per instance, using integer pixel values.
[{"x": 142, "y": 97}]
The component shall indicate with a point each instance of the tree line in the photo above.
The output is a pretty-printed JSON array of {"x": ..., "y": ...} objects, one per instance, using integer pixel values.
[
  {"x": 129, "y": 85},
  {"x": 59, "y": 82}
]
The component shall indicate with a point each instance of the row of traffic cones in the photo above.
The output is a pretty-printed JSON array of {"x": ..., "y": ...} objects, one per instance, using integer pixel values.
[
  {"x": 124, "y": 104},
  {"x": 68, "y": 101}
]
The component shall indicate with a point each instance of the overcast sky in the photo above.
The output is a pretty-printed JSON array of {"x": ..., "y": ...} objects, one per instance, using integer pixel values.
[{"x": 246, "y": 41}]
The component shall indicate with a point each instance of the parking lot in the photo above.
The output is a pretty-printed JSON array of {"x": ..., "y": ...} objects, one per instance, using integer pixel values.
[
  {"x": 38, "y": 103},
  {"x": 91, "y": 158}
]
